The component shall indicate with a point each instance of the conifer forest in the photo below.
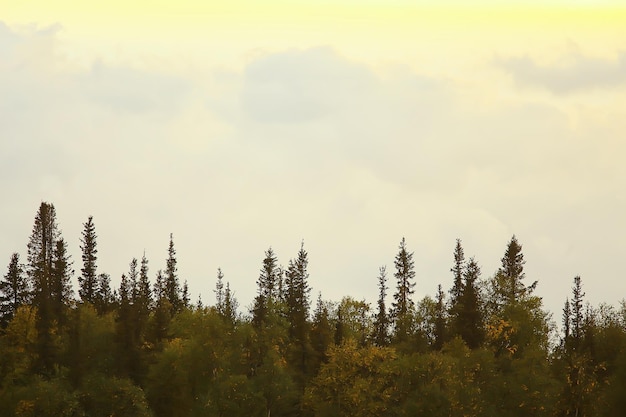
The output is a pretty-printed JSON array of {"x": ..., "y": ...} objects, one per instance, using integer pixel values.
[{"x": 486, "y": 347}]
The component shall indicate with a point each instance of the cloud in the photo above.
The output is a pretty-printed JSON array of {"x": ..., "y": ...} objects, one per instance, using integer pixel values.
[
  {"x": 128, "y": 90},
  {"x": 303, "y": 143},
  {"x": 300, "y": 85},
  {"x": 580, "y": 74}
]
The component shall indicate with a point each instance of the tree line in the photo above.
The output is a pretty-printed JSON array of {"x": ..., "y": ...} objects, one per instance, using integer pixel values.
[{"x": 485, "y": 347}]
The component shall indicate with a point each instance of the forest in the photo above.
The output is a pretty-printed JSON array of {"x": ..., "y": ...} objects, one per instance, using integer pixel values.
[{"x": 485, "y": 347}]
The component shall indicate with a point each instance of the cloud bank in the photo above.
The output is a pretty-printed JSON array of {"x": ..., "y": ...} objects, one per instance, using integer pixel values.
[{"x": 307, "y": 144}]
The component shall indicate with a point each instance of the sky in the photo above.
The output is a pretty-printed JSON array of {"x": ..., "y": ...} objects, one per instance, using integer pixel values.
[{"x": 345, "y": 125}]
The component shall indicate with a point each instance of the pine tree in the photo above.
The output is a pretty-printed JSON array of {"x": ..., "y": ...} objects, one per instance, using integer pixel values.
[
  {"x": 268, "y": 279},
  {"x": 185, "y": 295},
  {"x": 267, "y": 289},
  {"x": 162, "y": 309},
  {"x": 381, "y": 319},
  {"x": 297, "y": 310},
  {"x": 321, "y": 332},
  {"x": 457, "y": 271},
  {"x": 172, "y": 285},
  {"x": 103, "y": 298},
  {"x": 470, "y": 320},
  {"x": 60, "y": 282},
  {"x": 14, "y": 290},
  {"x": 133, "y": 281},
  {"x": 456, "y": 291},
  {"x": 141, "y": 300},
  {"x": 339, "y": 334},
  {"x": 577, "y": 314},
  {"x": 219, "y": 292},
  {"x": 297, "y": 294},
  {"x": 512, "y": 273},
  {"x": 88, "y": 280},
  {"x": 567, "y": 321},
  {"x": 41, "y": 248},
  {"x": 230, "y": 307},
  {"x": 124, "y": 329},
  {"x": 403, "y": 304},
  {"x": 440, "y": 320}
]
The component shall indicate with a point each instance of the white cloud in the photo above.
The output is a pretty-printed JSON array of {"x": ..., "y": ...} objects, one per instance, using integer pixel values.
[
  {"x": 305, "y": 144},
  {"x": 578, "y": 73}
]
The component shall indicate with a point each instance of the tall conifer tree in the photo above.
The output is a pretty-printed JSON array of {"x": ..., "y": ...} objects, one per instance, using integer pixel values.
[
  {"x": 440, "y": 319},
  {"x": 512, "y": 273},
  {"x": 297, "y": 304},
  {"x": 470, "y": 323},
  {"x": 104, "y": 298},
  {"x": 88, "y": 280},
  {"x": 41, "y": 248},
  {"x": 60, "y": 282},
  {"x": 457, "y": 271},
  {"x": 403, "y": 305},
  {"x": 14, "y": 289},
  {"x": 267, "y": 289},
  {"x": 297, "y": 294},
  {"x": 381, "y": 319},
  {"x": 172, "y": 285}
]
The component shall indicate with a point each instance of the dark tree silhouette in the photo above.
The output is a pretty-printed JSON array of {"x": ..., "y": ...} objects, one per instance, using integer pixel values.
[
  {"x": 14, "y": 289},
  {"x": 403, "y": 303},
  {"x": 87, "y": 282}
]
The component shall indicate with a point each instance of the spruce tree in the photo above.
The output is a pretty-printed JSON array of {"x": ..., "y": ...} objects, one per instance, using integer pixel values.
[
  {"x": 267, "y": 289},
  {"x": 126, "y": 332},
  {"x": 185, "y": 295},
  {"x": 231, "y": 306},
  {"x": 172, "y": 285},
  {"x": 268, "y": 278},
  {"x": 103, "y": 298},
  {"x": 403, "y": 305},
  {"x": 88, "y": 280},
  {"x": 60, "y": 282},
  {"x": 321, "y": 332},
  {"x": 440, "y": 320},
  {"x": 577, "y": 313},
  {"x": 219, "y": 292},
  {"x": 512, "y": 273},
  {"x": 297, "y": 294},
  {"x": 14, "y": 290},
  {"x": 41, "y": 248},
  {"x": 456, "y": 291},
  {"x": 162, "y": 309},
  {"x": 297, "y": 305},
  {"x": 143, "y": 298},
  {"x": 381, "y": 318},
  {"x": 470, "y": 322},
  {"x": 567, "y": 321},
  {"x": 133, "y": 281},
  {"x": 457, "y": 272}
]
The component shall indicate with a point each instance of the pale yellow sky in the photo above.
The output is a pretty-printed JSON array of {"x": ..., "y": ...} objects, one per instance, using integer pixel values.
[
  {"x": 227, "y": 33},
  {"x": 347, "y": 123}
]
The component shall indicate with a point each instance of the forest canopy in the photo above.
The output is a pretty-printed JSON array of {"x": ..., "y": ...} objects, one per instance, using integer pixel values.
[{"x": 484, "y": 347}]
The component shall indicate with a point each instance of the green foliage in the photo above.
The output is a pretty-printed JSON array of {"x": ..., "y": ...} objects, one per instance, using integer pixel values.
[
  {"x": 489, "y": 351},
  {"x": 14, "y": 290},
  {"x": 356, "y": 381},
  {"x": 45, "y": 398},
  {"x": 91, "y": 346},
  {"x": 104, "y": 396}
]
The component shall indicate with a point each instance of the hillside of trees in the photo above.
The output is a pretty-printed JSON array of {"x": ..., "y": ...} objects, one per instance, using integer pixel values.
[{"x": 485, "y": 347}]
